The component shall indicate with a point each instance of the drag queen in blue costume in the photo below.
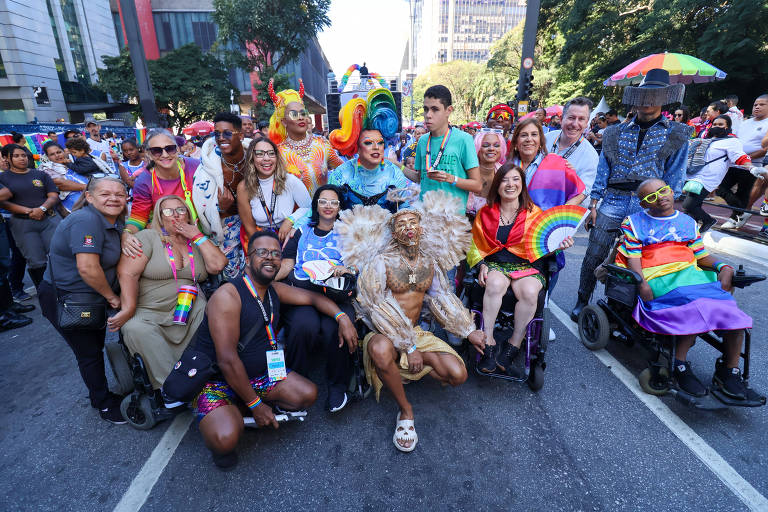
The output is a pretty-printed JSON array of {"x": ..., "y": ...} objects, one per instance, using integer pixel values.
[{"x": 368, "y": 126}]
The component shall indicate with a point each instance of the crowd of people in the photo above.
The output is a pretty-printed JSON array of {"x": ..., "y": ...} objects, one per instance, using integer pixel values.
[{"x": 266, "y": 243}]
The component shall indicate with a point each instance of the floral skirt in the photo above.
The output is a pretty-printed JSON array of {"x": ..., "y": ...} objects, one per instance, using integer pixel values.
[{"x": 516, "y": 271}]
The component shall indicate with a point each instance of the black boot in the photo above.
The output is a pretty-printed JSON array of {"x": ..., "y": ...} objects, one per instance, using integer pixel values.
[
  {"x": 505, "y": 359},
  {"x": 581, "y": 303},
  {"x": 730, "y": 382},
  {"x": 488, "y": 363}
]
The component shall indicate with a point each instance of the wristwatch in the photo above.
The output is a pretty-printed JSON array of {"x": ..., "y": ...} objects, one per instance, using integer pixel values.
[{"x": 43, "y": 208}]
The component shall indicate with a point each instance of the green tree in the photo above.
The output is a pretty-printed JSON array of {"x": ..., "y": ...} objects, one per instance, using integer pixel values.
[
  {"x": 459, "y": 77},
  {"x": 602, "y": 36},
  {"x": 188, "y": 84},
  {"x": 271, "y": 33}
]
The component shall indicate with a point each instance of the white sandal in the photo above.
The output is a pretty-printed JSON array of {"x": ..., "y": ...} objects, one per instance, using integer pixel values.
[{"x": 405, "y": 431}]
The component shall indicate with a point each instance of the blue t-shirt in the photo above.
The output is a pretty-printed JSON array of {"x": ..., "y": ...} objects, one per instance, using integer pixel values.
[{"x": 459, "y": 156}]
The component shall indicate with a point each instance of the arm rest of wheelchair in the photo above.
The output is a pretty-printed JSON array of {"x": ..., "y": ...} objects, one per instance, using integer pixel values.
[
  {"x": 744, "y": 280},
  {"x": 623, "y": 273}
]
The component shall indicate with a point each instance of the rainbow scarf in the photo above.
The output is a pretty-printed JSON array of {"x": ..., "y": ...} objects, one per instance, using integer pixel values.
[{"x": 484, "y": 242}]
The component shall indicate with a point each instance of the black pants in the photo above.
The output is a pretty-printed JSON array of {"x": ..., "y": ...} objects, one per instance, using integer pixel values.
[
  {"x": 88, "y": 347},
  {"x": 692, "y": 206},
  {"x": 600, "y": 244},
  {"x": 18, "y": 263},
  {"x": 743, "y": 180},
  {"x": 6, "y": 297},
  {"x": 307, "y": 331}
]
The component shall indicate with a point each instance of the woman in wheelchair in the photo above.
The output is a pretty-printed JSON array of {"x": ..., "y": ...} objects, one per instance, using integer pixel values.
[
  {"x": 498, "y": 233},
  {"x": 174, "y": 254},
  {"x": 312, "y": 260},
  {"x": 677, "y": 296}
]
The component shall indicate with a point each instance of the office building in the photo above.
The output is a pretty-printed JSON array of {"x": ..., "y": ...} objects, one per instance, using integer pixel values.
[
  {"x": 50, "y": 51},
  {"x": 445, "y": 30}
]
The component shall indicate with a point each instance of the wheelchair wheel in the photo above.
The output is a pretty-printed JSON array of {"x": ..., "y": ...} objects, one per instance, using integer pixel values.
[
  {"x": 536, "y": 377},
  {"x": 120, "y": 368},
  {"x": 654, "y": 381},
  {"x": 138, "y": 412},
  {"x": 594, "y": 327}
]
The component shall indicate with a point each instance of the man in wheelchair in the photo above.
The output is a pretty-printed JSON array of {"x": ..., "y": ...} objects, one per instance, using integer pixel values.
[{"x": 684, "y": 291}]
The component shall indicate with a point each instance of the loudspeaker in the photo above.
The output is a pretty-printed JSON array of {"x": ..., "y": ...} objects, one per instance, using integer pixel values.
[
  {"x": 399, "y": 109},
  {"x": 333, "y": 105}
]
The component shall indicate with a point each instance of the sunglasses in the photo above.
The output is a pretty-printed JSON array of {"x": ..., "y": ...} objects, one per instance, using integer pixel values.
[
  {"x": 500, "y": 115},
  {"x": 157, "y": 152},
  {"x": 328, "y": 202},
  {"x": 261, "y": 154},
  {"x": 295, "y": 115},
  {"x": 224, "y": 134},
  {"x": 263, "y": 253},
  {"x": 490, "y": 130},
  {"x": 654, "y": 196},
  {"x": 168, "y": 212}
]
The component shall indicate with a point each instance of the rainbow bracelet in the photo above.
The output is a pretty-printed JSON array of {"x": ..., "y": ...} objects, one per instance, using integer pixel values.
[
  {"x": 199, "y": 240},
  {"x": 339, "y": 315},
  {"x": 719, "y": 265},
  {"x": 254, "y": 403}
]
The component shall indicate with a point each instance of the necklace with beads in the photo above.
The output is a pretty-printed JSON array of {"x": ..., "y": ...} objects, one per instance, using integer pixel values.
[
  {"x": 235, "y": 168},
  {"x": 412, "y": 274},
  {"x": 302, "y": 146}
]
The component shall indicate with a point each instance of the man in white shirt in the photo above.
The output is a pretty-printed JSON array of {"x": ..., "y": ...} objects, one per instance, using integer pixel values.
[
  {"x": 751, "y": 133},
  {"x": 733, "y": 112},
  {"x": 99, "y": 145},
  {"x": 569, "y": 142}
]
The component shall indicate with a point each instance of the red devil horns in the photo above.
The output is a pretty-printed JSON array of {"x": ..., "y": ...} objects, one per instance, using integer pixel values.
[
  {"x": 301, "y": 89},
  {"x": 271, "y": 89}
]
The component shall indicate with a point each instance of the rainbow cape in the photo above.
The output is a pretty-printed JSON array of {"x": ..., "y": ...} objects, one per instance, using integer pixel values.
[{"x": 484, "y": 242}]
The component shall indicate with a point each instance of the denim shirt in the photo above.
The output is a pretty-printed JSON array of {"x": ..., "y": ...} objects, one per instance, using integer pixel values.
[{"x": 645, "y": 162}]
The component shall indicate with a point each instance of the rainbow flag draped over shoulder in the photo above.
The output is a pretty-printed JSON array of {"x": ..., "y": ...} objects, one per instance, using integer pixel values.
[
  {"x": 687, "y": 299},
  {"x": 554, "y": 182},
  {"x": 484, "y": 242}
]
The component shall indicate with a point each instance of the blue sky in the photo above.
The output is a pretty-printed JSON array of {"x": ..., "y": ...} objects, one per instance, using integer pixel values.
[{"x": 365, "y": 30}]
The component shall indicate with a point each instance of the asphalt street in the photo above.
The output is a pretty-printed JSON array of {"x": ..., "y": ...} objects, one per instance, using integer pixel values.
[{"x": 583, "y": 442}]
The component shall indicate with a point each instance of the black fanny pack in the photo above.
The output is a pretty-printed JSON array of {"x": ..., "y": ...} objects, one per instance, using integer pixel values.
[{"x": 79, "y": 311}]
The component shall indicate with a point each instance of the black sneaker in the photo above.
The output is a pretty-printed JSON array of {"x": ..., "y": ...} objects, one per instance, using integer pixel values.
[
  {"x": 730, "y": 382},
  {"x": 112, "y": 415},
  {"x": 687, "y": 380},
  {"x": 21, "y": 296},
  {"x": 225, "y": 461},
  {"x": 507, "y": 355},
  {"x": 488, "y": 363},
  {"x": 580, "y": 304},
  {"x": 337, "y": 399},
  {"x": 9, "y": 320}
]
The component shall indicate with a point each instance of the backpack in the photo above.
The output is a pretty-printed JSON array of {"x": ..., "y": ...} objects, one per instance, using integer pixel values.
[{"x": 697, "y": 152}]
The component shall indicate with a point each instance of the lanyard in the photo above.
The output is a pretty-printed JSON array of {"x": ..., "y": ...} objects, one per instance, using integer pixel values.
[
  {"x": 267, "y": 321},
  {"x": 570, "y": 150},
  {"x": 439, "y": 153},
  {"x": 269, "y": 211},
  {"x": 172, "y": 260},
  {"x": 187, "y": 192}
]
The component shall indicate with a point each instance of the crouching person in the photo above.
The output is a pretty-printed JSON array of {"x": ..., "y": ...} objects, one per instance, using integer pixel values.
[{"x": 256, "y": 375}]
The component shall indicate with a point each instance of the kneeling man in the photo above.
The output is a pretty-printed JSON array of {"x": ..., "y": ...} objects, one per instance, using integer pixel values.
[{"x": 684, "y": 291}]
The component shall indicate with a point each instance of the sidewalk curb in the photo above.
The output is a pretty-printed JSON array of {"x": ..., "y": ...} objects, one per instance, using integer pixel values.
[{"x": 735, "y": 246}]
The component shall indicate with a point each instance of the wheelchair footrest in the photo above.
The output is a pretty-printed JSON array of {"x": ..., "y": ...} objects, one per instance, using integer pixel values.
[
  {"x": 503, "y": 376},
  {"x": 754, "y": 399},
  {"x": 705, "y": 403}
]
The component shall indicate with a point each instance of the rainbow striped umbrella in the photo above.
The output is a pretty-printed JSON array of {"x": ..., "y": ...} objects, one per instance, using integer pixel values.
[{"x": 682, "y": 68}]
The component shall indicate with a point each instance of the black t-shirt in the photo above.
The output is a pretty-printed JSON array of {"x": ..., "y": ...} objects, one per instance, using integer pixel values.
[
  {"x": 84, "y": 231},
  {"x": 254, "y": 356},
  {"x": 292, "y": 247},
  {"x": 30, "y": 189}
]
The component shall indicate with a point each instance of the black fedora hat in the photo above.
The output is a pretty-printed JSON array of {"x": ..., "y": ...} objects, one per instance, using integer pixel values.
[{"x": 655, "y": 90}]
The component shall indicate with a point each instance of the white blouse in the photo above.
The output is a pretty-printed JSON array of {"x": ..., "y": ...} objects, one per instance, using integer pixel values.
[{"x": 295, "y": 194}]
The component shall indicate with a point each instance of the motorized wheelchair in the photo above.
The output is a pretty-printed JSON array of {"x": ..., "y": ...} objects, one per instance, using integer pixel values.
[
  {"x": 611, "y": 318},
  {"x": 536, "y": 338}
]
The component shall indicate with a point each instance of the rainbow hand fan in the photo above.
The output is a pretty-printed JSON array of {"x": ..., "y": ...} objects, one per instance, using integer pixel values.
[{"x": 549, "y": 229}]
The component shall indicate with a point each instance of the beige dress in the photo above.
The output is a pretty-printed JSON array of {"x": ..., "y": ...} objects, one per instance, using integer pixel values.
[{"x": 151, "y": 331}]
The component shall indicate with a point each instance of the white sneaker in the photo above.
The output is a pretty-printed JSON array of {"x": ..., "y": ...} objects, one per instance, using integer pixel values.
[
  {"x": 552, "y": 335},
  {"x": 729, "y": 224},
  {"x": 742, "y": 219},
  {"x": 764, "y": 210}
]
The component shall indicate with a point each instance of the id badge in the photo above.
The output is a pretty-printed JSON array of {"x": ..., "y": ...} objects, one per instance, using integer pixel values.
[{"x": 276, "y": 365}]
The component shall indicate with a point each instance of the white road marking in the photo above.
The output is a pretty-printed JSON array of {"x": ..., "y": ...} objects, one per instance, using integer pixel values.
[
  {"x": 142, "y": 485},
  {"x": 713, "y": 460}
]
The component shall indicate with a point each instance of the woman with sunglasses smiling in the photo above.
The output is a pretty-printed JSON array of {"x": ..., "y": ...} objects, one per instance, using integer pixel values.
[
  {"x": 175, "y": 254},
  {"x": 167, "y": 173},
  {"x": 268, "y": 197},
  {"x": 306, "y": 329},
  {"x": 491, "y": 154}
]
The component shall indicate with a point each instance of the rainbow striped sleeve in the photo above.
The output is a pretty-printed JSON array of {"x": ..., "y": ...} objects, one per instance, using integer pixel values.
[
  {"x": 631, "y": 247},
  {"x": 697, "y": 246},
  {"x": 141, "y": 207}
]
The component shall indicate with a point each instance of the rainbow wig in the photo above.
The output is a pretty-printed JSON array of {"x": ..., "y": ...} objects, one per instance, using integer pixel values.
[
  {"x": 276, "y": 128},
  {"x": 479, "y": 136},
  {"x": 377, "y": 112}
]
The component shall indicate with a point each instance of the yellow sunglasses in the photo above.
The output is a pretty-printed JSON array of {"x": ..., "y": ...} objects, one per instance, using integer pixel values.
[{"x": 654, "y": 196}]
